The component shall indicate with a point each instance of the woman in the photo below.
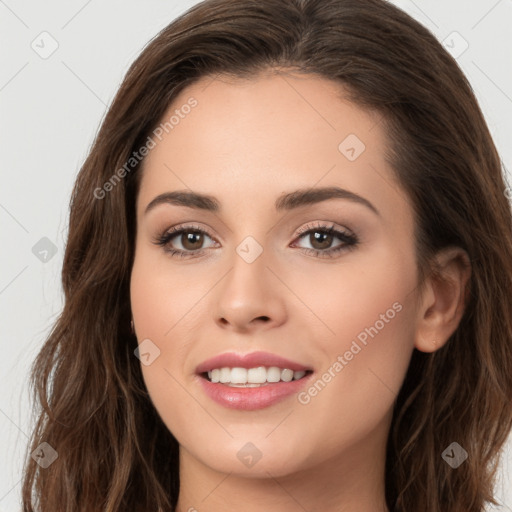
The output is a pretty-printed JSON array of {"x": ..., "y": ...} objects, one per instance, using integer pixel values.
[{"x": 206, "y": 359}]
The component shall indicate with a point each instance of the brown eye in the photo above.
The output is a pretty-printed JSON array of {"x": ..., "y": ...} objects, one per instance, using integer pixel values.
[
  {"x": 183, "y": 241},
  {"x": 192, "y": 240},
  {"x": 320, "y": 240}
]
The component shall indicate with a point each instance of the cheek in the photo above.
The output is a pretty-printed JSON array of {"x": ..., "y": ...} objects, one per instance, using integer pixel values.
[
  {"x": 161, "y": 305},
  {"x": 169, "y": 308},
  {"x": 355, "y": 390},
  {"x": 164, "y": 301},
  {"x": 372, "y": 316},
  {"x": 366, "y": 352}
]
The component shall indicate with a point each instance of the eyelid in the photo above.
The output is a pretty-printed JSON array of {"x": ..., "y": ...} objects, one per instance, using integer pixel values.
[
  {"x": 324, "y": 225},
  {"x": 192, "y": 226}
]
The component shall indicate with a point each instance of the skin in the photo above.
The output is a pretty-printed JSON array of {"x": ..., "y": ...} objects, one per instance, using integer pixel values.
[{"x": 246, "y": 143}]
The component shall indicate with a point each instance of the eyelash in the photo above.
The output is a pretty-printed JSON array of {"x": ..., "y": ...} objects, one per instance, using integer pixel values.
[{"x": 350, "y": 240}]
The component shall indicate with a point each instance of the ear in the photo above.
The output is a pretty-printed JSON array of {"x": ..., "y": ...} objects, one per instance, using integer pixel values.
[{"x": 443, "y": 300}]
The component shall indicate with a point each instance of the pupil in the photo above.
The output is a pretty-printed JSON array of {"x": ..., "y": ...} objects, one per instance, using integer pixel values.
[
  {"x": 189, "y": 238},
  {"x": 326, "y": 237}
]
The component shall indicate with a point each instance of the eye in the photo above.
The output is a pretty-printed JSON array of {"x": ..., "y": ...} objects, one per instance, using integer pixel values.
[
  {"x": 321, "y": 236},
  {"x": 191, "y": 239}
]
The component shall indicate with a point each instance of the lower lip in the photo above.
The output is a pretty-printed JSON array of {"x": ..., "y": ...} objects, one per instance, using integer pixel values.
[{"x": 250, "y": 399}]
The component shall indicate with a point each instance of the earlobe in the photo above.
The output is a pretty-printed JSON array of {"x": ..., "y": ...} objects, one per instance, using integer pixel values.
[{"x": 444, "y": 299}]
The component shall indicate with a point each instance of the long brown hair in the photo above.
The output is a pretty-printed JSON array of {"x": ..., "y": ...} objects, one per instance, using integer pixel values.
[{"x": 114, "y": 452}]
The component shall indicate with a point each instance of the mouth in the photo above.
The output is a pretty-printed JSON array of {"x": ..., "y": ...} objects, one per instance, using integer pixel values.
[{"x": 251, "y": 381}]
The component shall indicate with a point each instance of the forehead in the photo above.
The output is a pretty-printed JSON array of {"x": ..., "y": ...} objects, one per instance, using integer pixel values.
[{"x": 250, "y": 140}]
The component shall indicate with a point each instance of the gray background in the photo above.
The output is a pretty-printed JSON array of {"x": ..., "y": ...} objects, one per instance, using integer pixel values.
[{"x": 50, "y": 110}]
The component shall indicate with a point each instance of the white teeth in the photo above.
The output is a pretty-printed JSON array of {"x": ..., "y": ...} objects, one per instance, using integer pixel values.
[
  {"x": 287, "y": 375},
  {"x": 238, "y": 376},
  {"x": 253, "y": 377},
  {"x": 273, "y": 374},
  {"x": 257, "y": 375},
  {"x": 225, "y": 375}
]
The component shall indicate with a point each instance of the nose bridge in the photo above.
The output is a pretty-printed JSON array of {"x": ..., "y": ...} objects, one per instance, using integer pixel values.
[{"x": 249, "y": 272}]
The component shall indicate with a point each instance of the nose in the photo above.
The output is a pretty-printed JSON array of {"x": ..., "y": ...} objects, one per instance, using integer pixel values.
[{"x": 249, "y": 297}]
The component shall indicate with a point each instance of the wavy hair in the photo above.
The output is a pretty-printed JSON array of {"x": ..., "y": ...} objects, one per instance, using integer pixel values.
[{"x": 90, "y": 401}]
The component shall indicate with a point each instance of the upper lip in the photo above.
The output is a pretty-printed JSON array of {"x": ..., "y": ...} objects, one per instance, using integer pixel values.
[{"x": 249, "y": 360}]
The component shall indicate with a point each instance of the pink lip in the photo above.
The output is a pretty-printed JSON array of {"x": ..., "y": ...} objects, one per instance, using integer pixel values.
[
  {"x": 250, "y": 360},
  {"x": 251, "y": 398}
]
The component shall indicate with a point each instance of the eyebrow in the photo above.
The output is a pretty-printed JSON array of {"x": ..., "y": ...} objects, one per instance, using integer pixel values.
[{"x": 289, "y": 201}]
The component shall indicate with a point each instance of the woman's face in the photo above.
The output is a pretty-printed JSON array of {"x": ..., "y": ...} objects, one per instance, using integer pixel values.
[{"x": 249, "y": 277}]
